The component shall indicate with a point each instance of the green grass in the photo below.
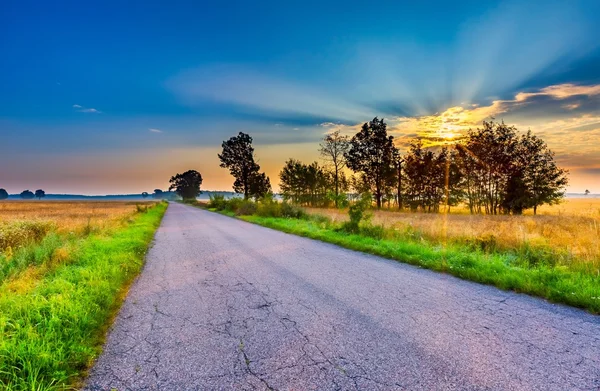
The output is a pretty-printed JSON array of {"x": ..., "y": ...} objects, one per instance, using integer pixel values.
[
  {"x": 504, "y": 270},
  {"x": 52, "y": 325}
]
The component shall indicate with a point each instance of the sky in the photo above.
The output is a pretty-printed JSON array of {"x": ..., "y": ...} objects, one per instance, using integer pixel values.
[{"x": 115, "y": 97}]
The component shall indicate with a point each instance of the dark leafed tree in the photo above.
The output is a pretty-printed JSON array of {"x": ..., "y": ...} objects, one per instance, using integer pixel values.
[
  {"x": 541, "y": 180},
  {"x": 333, "y": 149},
  {"x": 158, "y": 194},
  {"x": 372, "y": 153},
  {"x": 488, "y": 163},
  {"x": 186, "y": 185},
  {"x": 27, "y": 195},
  {"x": 586, "y": 192},
  {"x": 260, "y": 185},
  {"x": 238, "y": 158},
  {"x": 307, "y": 184},
  {"x": 3, "y": 194},
  {"x": 39, "y": 194},
  {"x": 145, "y": 194}
]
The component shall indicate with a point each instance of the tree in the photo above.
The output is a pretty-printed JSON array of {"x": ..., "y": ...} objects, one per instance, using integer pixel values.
[
  {"x": 3, "y": 194},
  {"x": 186, "y": 185},
  {"x": 260, "y": 185},
  {"x": 586, "y": 192},
  {"x": 488, "y": 162},
  {"x": 145, "y": 195},
  {"x": 372, "y": 153},
  {"x": 27, "y": 195},
  {"x": 40, "y": 194},
  {"x": 542, "y": 180},
  {"x": 306, "y": 184},
  {"x": 333, "y": 149},
  {"x": 238, "y": 157}
]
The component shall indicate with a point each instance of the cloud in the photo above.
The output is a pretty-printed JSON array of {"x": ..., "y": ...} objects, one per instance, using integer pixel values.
[
  {"x": 154, "y": 130},
  {"x": 82, "y": 109},
  {"x": 254, "y": 92},
  {"x": 546, "y": 111}
]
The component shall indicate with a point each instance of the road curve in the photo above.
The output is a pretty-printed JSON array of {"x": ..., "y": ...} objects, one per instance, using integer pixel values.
[{"x": 226, "y": 305}]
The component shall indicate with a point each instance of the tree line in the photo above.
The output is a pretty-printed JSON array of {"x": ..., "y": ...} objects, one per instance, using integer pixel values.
[
  {"x": 493, "y": 170},
  {"x": 25, "y": 194}
]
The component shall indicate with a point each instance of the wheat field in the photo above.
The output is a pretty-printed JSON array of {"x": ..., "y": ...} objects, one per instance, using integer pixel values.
[
  {"x": 68, "y": 216},
  {"x": 570, "y": 229}
]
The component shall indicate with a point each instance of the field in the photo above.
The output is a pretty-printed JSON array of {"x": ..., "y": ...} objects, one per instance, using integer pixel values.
[
  {"x": 568, "y": 232},
  {"x": 64, "y": 268}
]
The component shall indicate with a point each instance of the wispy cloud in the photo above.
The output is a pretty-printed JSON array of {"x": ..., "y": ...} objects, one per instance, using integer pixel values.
[
  {"x": 82, "y": 109},
  {"x": 154, "y": 130},
  {"x": 258, "y": 93}
]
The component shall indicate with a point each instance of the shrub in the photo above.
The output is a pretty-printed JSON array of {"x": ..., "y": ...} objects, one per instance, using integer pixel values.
[
  {"x": 357, "y": 213},
  {"x": 217, "y": 201},
  {"x": 245, "y": 208},
  {"x": 292, "y": 211}
]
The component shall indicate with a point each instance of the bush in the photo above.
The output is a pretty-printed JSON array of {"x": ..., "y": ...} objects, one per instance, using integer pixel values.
[
  {"x": 357, "y": 213},
  {"x": 268, "y": 207},
  {"x": 245, "y": 208},
  {"x": 292, "y": 211},
  {"x": 217, "y": 201}
]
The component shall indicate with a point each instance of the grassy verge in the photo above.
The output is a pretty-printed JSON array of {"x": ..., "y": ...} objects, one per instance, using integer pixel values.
[
  {"x": 52, "y": 324},
  {"x": 539, "y": 276}
]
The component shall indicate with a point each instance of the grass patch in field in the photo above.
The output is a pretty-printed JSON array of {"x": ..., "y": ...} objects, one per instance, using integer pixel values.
[{"x": 53, "y": 316}]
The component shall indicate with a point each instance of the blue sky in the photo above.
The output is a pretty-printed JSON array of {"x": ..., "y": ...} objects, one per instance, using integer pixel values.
[{"x": 117, "y": 96}]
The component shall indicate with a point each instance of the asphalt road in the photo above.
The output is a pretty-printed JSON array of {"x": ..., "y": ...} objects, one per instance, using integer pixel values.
[{"x": 227, "y": 305}]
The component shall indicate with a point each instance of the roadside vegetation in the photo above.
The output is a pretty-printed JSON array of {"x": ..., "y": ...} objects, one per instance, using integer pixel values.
[{"x": 64, "y": 270}]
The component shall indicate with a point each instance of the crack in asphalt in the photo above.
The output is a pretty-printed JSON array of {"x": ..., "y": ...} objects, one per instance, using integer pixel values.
[{"x": 223, "y": 304}]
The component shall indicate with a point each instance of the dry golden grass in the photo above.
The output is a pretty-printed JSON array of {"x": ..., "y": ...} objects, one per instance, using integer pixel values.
[
  {"x": 68, "y": 216},
  {"x": 571, "y": 228}
]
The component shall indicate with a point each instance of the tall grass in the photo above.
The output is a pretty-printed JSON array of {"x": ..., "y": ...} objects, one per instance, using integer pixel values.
[
  {"x": 566, "y": 234},
  {"x": 52, "y": 323}
]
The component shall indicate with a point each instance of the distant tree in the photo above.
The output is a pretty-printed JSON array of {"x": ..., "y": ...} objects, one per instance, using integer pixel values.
[
  {"x": 145, "y": 195},
  {"x": 543, "y": 181},
  {"x": 186, "y": 185},
  {"x": 586, "y": 192},
  {"x": 260, "y": 185},
  {"x": 488, "y": 162},
  {"x": 372, "y": 154},
  {"x": 158, "y": 194},
  {"x": 306, "y": 184},
  {"x": 27, "y": 195},
  {"x": 3, "y": 194},
  {"x": 39, "y": 194},
  {"x": 333, "y": 149},
  {"x": 238, "y": 157}
]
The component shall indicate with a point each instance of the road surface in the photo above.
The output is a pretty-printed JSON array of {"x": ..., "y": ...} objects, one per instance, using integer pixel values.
[{"x": 227, "y": 305}]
